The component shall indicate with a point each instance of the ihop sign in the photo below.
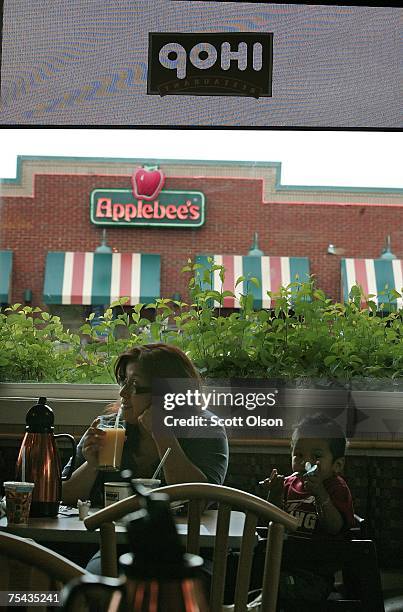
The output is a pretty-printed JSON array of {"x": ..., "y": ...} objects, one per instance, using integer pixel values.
[
  {"x": 147, "y": 203},
  {"x": 210, "y": 64}
]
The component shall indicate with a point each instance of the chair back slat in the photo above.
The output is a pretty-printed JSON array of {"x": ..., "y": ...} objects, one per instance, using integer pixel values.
[
  {"x": 193, "y": 537},
  {"x": 271, "y": 573},
  {"x": 220, "y": 557},
  {"x": 245, "y": 562},
  {"x": 108, "y": 547}
]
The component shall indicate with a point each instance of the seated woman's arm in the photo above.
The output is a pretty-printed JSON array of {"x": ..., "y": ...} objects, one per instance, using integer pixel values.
[{"x": 79, "y": 484}]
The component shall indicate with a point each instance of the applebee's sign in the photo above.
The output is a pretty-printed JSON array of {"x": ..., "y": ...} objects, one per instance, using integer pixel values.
[{"x": 147, "y": 203}]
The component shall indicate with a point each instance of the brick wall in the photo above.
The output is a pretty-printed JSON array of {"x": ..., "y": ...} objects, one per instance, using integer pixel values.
[{"x": 57, "y": 218}]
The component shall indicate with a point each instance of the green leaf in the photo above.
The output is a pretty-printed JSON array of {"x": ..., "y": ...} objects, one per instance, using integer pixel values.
[
  {"x": 330, "y": 359},
  {"x": 119, "y": 302},
  {"x": 227, "y": 293},
  {"x": 155, "y": 329}
]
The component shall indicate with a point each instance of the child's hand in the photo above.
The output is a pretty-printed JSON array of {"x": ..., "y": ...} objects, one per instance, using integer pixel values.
[{"x": 275, "y": 486}]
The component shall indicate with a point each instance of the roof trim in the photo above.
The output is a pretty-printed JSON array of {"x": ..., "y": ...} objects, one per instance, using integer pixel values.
[{"x": 153, "y": 161}]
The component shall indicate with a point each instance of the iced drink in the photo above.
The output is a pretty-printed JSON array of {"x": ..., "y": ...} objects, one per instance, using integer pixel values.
[
  {"x": 110, "y": 454},
  {"x": 18, "y": 501}
]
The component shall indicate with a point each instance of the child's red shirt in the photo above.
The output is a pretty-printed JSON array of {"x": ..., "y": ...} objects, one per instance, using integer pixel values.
[{"x": 301, "y": 504}]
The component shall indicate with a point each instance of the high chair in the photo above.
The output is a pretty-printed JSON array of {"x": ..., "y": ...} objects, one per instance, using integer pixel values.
[{"x": 355, "y": 555}]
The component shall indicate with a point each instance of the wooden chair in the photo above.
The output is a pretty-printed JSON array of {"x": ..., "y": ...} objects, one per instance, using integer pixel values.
[
  {"x": 28, "y": 566},
  {"x": 228, "y": 499}
]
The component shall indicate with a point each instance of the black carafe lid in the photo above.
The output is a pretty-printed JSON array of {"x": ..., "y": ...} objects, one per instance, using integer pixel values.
[
  {"x": 40, "y": 418},
  {"x": 154, "y": 541}
]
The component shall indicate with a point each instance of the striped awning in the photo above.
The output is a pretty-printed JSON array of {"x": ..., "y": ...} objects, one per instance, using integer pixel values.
[
  {"x": 101, "y": 278},
  {"x": 6, "y": 264},
  {"x": 374, "y": 276},
  {"x": 272, "y": 273}
]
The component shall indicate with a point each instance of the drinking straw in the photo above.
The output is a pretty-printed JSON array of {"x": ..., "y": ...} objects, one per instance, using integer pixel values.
[
  {"x": 161, "y": 464},
  {"x": 118, "y": 415},
  {"x": 23, "y": 465},
  {"x": 116, "y": 436}
]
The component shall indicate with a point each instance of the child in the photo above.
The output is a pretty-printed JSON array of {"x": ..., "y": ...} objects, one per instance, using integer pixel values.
[{"x": 319, "y": 497}]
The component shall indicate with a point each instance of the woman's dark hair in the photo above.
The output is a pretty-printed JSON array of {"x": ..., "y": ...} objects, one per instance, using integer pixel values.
[
  {"x": 157, "y": 360},
  {"x": 321, "y": 426}
]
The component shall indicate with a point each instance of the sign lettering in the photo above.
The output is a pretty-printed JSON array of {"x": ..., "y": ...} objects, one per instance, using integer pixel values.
[
  {"x": 171, "y": 209},
  {"x": 225, "y": 64}
]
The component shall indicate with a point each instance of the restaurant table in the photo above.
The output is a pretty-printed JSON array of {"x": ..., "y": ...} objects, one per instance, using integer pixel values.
[{"x": 71, "y": 529}]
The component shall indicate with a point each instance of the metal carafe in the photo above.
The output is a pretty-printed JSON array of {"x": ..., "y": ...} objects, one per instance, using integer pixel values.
[{"x": 40, "y": 460}]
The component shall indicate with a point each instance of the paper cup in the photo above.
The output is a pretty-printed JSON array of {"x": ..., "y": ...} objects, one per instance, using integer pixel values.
[
  {"x": 18, "y": 501},
  {"x": 115, "y": 491}
]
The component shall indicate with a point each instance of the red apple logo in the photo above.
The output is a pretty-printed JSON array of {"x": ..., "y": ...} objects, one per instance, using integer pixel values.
[{"x": 147, "y": 182}]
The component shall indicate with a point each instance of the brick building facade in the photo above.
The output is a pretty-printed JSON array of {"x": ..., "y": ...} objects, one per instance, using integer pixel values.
[{"x": 47, "y": 208}]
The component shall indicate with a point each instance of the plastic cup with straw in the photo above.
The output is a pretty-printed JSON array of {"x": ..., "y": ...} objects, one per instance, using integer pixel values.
[
  {"x": 18, "y": 497},
  {"x": 110, "y": 453},
  {"x": 153, "y": 482}
]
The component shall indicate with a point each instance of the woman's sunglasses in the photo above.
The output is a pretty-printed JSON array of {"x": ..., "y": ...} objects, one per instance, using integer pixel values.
[{"x": 132, "y": 387}]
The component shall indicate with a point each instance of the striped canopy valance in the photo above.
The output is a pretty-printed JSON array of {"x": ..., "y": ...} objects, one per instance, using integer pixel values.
[
  {"x": 272, "y": 273},
  {"x": 6, "y": 263},
  {"x": 374, "y": 276},
  {"x": 101, "y": 278}
]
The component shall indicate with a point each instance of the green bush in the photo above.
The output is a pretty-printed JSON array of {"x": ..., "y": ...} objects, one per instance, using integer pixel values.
[
  {"x": 305, "y": 336},
  {"x": 35, "y": 347}
]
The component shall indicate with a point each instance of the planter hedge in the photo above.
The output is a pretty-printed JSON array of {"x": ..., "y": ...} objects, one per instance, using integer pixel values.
[{"x": 305, "y": 337}]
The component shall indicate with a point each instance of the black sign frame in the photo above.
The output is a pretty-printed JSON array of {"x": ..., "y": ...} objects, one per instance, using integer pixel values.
[{"x": 212, "y": 81}]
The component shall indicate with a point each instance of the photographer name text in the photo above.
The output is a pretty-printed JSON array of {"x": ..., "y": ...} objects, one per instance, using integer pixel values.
[{"x": 215, "y": 421}]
